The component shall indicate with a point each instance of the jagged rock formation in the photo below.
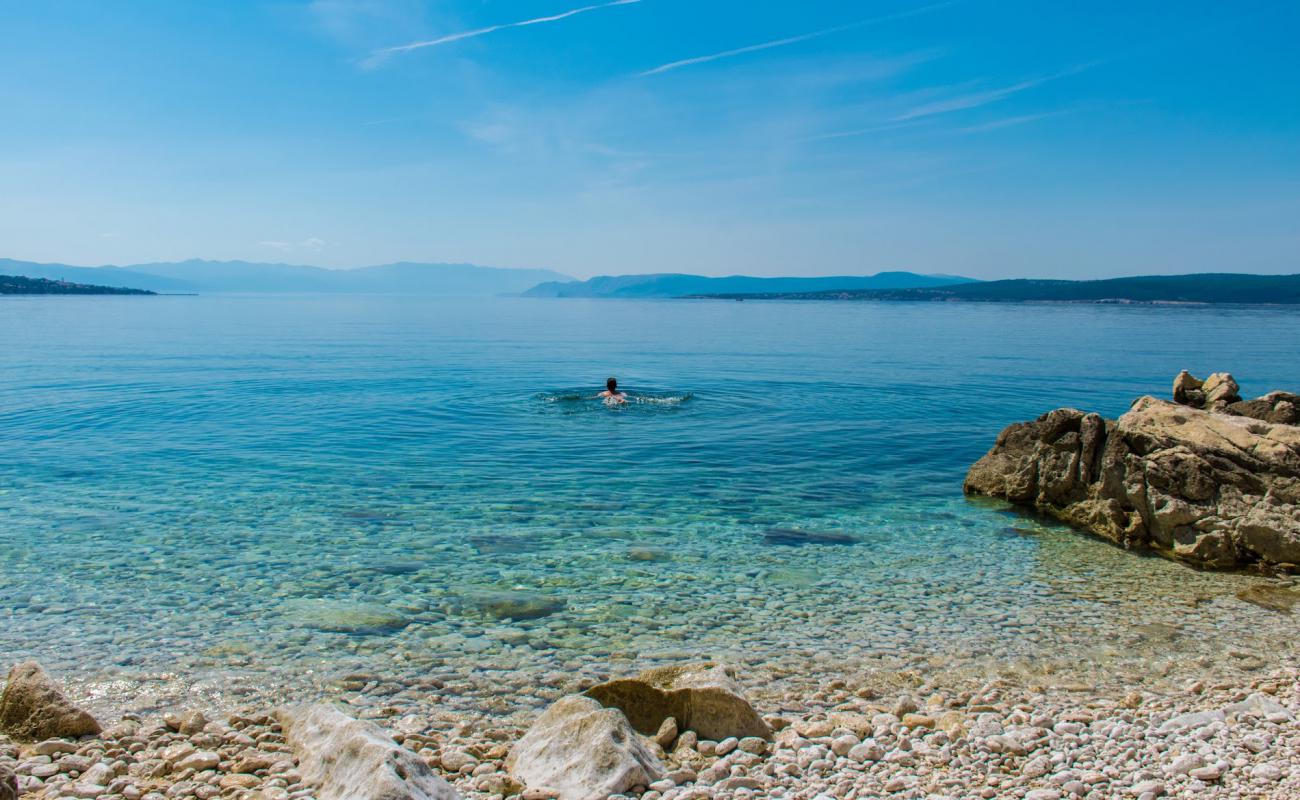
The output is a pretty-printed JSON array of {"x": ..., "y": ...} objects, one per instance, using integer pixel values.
[
  {"x": 580, "y": 750},
  {"x": 33, "y": 708},
  {"x": 705, "y": 698},
  {"x": 1217, "y": 488},
  {"x": 350, "y": 759}
]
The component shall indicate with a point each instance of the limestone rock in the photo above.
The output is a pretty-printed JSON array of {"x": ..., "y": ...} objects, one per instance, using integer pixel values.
[
  {"x": 33, "y": 708},
  {"x": 704, "y": 698},
  {"x": 1276, "y": 407},
  {"x": 583, "y": 751},
  {"x": 1214, "y": 489},
  {"x": 349, "y": 759}
]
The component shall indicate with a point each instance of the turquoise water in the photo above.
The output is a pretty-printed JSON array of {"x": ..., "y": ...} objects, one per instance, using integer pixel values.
[{"x": 263, "y": 493}]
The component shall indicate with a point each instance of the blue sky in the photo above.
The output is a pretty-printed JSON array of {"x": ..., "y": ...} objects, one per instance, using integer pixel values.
[{"x": 991, "y": 139}]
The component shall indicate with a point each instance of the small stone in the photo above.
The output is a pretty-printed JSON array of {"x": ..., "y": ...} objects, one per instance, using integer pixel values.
[
  {"x": 52, "y": 747},
  {"x": 843, "y": 745},
  {"x": 918, "y": 721},
  {"x": 905, "y": 705},
  {"x": 199, "y": 761},
  {"x": 867, "y": 751},
  {"x": 1266, "y": 772},
  {"x": 727, "y": 745},
  {"x": 1208, "y": 774},
  {"x": 753, "y": 744},
  {"x": 667, "y": 733}
]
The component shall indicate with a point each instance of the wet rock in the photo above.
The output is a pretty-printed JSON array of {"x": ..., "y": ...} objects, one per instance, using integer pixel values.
[
  {"x": 345, "y": 616},
  {"x": 1212, "y": 489},
  {"x": 793, "y": 537},
  {"x": 704, "y": 698},
  {"x": 1275, "y": 598},
  {"x": 517, "y": 605},
  {"x": 348, "y": 759},
  {"x": 33, "y": 708},
  {"x": 583, "y": 751}
]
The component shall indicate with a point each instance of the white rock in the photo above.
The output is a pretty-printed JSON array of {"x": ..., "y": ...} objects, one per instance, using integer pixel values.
[
  {"x": 1185, "y": 764},
  {"x": 348, "y": 759},
  {"x": 583, "y": 751},
  {"x": 1266, "y": 772},
  {"x": 203, "y": 759},
  {"x": 1192, "y": 721}
]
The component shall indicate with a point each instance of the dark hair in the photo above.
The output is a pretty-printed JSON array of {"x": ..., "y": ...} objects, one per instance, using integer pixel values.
[{"x": 611, "y": 384}]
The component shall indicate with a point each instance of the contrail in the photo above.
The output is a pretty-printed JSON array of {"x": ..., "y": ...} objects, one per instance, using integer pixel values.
[
  {"x": 456, "y": 37},
  {"x": 753, "y": 48}
]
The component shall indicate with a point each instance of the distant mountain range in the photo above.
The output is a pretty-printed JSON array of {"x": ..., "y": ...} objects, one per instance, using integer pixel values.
[
  {"x": 459, "y": 280},
  {"x": 1202, "y": 288},
  {"x": 676, "y": 285},
  {"x": 16, "y": 284}
]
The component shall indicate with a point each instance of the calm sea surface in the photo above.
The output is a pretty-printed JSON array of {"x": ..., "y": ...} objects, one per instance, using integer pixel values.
[{"x": 264, "y": 493}]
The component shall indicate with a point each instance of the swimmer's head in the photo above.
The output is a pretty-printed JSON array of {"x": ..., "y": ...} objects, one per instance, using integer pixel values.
[{"x": 611, "y": 384}]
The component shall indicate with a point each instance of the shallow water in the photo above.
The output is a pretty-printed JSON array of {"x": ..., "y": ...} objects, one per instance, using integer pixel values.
[{"x": 268, "y": 492}]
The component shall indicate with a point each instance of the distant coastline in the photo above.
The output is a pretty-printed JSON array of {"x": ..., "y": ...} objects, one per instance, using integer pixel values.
[
  {"x": 14, "y": 284},
  {"x": 1202, "y": 289}
]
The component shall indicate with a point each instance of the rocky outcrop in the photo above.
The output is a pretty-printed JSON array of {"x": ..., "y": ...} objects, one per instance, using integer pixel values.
[
  {"x": 704, "y": 698},
  {"x": 33, "y": 708},
  {"x": 349, "y": 759},
  {"x": 1216, "y": 489},
  {"x": 580, "y": 750}
]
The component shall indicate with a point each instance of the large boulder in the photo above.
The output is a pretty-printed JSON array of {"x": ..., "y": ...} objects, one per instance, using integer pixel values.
[
  {"x": 1214, "y": 489},
  {"x": 350, "y": 759},
  {"x": 33, "y": 708},
  {"x": 581, "y": 750},
  {"x": 704, "y": 698}
]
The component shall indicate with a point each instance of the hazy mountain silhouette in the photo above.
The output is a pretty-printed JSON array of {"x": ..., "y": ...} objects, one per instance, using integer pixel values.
[{"x": 243, "y": 276}]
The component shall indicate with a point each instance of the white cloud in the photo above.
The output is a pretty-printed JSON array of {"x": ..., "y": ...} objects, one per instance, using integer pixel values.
[
  {"x": 754, "y": 48},
  {"x": 380, "y": 55}
]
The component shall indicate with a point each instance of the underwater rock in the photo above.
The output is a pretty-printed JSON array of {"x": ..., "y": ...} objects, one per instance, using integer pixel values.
[
  {"x": 1213, "y": 489},
  {"x": 33, "y": 708},
  {"x": 349, "y": 759},
  {"x": 517, "y": 605},
  {"x": 793, "y": 537},
  {"x": 1274, "y": 598},
  {"x": 345, "y": 616},
  {"x": 582, "y": 751},
  {"x": 704, "y": 698}
]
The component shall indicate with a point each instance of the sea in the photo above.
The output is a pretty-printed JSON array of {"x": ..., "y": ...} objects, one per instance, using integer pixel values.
[{"x": 256, "y": 496}]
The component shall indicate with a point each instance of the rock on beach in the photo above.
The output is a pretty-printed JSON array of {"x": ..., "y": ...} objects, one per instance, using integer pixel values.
[
  {"x": 349, "y": 759},
  {"x": 33, "y": 707},
  {"x": 704, "y": 698},
  {"x": 1210, "y": 487},
  {"x": 583, "y": 751}
]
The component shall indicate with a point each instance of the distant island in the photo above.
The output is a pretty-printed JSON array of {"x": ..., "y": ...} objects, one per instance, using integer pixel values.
[
  {"x": 200, "y": 276},
  {"x": 17, "y": 284},
  {"x": 669, "y": 285},
  {"x": 1206, "y": 288}
]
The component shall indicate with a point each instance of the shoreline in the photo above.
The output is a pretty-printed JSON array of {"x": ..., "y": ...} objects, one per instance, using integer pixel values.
[{"x": 991, "y": 735}]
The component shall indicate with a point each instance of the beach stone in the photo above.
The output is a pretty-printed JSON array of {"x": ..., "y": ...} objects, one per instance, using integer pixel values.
[
  {"x": 583, "y": 751},
  {"x": 517, "y": 605},
  {"x": 349, "y": 759},
  {"x": 667, "y": 733},
  {"x": 32, "y": 708},
  {"x": 8, "y": 783},
  {"x": 704, "y": 698},
  {"x": 53, "y": 747},
  {"x": 344, "y": 616},
  {"x": 1213, "y": 489},
  {"x": 199, "y": 761},
  {"x": 1258, "y": 705},
  {"x": 1191, "y": 721}
]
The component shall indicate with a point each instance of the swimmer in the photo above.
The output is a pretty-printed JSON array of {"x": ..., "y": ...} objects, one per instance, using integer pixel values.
[{"x": 612, "y": 396}]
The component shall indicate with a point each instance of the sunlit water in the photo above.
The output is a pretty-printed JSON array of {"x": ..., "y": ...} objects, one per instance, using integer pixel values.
[{"x": 261, "y": 494}]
